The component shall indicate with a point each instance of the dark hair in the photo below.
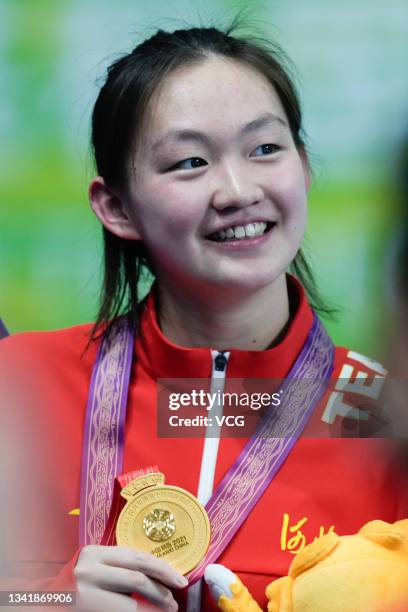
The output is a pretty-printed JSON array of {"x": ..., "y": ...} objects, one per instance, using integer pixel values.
[{"x": 117, "y": 117}]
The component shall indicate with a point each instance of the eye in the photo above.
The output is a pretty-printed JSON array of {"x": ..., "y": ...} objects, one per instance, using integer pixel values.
[
  {"x": 265, "y": 149},
  {"x": 189, "y": 164}
]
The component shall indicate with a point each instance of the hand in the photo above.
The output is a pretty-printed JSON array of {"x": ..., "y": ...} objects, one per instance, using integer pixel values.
[{"x": 104, "y": 574}]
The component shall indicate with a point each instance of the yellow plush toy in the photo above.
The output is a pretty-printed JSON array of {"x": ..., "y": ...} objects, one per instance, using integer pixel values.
[{"x": 365, "y": 572}]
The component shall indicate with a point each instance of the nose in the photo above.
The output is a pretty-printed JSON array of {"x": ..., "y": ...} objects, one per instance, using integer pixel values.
[{"x": 235, "y": 188}]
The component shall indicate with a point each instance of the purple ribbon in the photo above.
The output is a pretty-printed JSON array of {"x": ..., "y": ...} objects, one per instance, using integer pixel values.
[
  {"x": 245, "y": 481},
  {"x": 102, "y": 450},
  {"x": 272, "y": 441}
]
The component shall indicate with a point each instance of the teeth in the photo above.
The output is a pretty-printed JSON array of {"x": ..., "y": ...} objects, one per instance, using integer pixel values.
[
  {"x": 239, "y": 231},
  {"x": 249, "y": 230}
]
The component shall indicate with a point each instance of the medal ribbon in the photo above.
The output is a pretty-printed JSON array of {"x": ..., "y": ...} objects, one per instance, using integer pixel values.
[
  {"x": 263, "y": 455},
  {"x": 102, "y": 450},
  {"x": 245, "y": 481}
]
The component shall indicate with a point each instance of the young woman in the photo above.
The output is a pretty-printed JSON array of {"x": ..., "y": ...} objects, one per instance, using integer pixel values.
[{"x": 202, "y": 178}]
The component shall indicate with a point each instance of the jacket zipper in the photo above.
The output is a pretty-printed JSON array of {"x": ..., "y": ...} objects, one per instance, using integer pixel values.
[
  {"x": 212, "y": 433},
  {"x": 209, "y": 456}
]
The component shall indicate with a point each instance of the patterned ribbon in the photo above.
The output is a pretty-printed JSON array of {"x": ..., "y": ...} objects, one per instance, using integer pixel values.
[
  {"x": 102, "y": 451},
  {"x": 272, "y": 441},
  {"x": 245, "y": 481}
]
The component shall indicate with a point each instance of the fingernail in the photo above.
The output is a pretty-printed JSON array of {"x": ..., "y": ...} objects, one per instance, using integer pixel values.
[{"x": 181, "y": 581}]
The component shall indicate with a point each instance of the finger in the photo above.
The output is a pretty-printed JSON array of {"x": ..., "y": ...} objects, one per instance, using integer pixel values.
[
  {"x": 148, "y": 564},
  {"x": 91, "y": 599},
  {"x": 124, "y": 580}
]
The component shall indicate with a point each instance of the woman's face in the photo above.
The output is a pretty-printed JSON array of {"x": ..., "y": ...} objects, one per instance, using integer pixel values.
[{"x": 217, "y": 187}]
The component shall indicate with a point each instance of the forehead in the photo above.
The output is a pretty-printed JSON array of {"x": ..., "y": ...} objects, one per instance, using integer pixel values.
[{"x": 213, "y": 92}]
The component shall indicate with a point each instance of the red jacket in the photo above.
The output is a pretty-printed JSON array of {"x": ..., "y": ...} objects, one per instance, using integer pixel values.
[{"x": 325, "y": 483}]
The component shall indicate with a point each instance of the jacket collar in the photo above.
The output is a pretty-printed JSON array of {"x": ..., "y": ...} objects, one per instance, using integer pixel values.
[{"x": 164, "y": 359}]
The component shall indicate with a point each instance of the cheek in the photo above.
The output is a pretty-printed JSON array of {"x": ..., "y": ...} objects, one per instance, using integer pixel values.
[
  {"x": 293, "y": 205},
  {"x": 288, "y": 184},
  {"x": 164, "y": 219},
  {"x": 294, "y": 210},
  {"x": 297, "y": 196},
  {"x": 299, "y": 219},
  {"x": 178, "y": 206}
]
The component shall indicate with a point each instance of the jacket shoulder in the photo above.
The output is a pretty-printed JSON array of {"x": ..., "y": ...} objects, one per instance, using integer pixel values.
[
  {"x": 356, "y": 388},
  {"x": 34, "y": 350},
  {"x": 350, "y": 363}
]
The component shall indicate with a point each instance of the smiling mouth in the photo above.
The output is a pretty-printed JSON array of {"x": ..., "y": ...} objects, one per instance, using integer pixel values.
[{"x": 241, "y": 232}]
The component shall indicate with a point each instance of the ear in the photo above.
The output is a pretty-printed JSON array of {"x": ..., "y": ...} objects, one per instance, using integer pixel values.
[
  {"x": 108, "y": 207},
  {"x": 306, "y": 167}
]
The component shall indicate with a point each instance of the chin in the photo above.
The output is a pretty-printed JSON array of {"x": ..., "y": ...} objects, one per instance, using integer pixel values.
[{"x": 243, "y": 284}]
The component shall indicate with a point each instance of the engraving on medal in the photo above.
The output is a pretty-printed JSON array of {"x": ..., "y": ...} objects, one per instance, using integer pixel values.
[
  {"x": 166, "y": 521},
  {"x": 159, "y": 525},
  {"x": 140, "y": 483}
]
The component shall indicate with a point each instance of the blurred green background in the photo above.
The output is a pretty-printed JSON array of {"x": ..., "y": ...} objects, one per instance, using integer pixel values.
[{"x": 351, "y": 59}]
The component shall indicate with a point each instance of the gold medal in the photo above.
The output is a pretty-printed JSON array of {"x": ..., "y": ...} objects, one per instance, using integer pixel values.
[{"x": 164, "y": 520}]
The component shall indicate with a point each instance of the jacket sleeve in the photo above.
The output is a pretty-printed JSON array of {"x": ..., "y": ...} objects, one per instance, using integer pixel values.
[
  {"x": 20, "y": 576},
  {"x": 39, "y": 477}
]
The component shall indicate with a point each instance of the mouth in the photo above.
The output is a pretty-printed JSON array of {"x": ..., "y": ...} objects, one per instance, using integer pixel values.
[{"x": 241, "y": 232}]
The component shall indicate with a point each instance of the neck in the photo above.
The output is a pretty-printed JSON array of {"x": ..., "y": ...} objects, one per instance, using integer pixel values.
[{"x": 253, "y": 322}]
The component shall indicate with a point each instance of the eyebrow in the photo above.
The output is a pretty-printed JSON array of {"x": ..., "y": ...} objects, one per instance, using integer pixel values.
[{"x": 188, "y": 135}]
